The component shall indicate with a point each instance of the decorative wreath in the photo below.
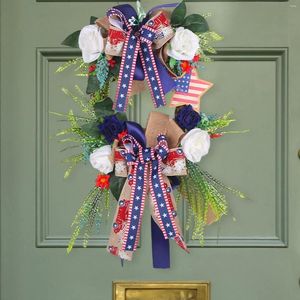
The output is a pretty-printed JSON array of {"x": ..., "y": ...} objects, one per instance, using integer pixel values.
[{"x": 162, "y": 50}]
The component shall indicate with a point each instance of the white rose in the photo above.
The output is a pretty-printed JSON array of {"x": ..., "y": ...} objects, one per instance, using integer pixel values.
[
  {"x": 183, "y": 45},
  {"x": 195, "y": 144},
  {"x": 100, "y": 159},
  {"x": 91, "y": 43}
]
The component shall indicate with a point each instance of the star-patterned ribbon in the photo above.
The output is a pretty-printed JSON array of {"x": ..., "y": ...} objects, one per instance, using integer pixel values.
[
  {"x": 146, "y": 173},
  {"x": 137, "y": 50}
]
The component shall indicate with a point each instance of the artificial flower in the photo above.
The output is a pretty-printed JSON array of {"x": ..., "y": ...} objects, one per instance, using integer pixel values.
[
  {"x": 91, "y": 43},
  {"x": 216, "y": 135},
  {"x": 186, "y": 66},
  {"x": 92, "y": 68},
  {"x": 100, "y": 159},
  {"x": 102, "y": 181},
  {"x": 186, "y": 117},
  {"x": 183, "y": 45},
  {"x": 196, "y": 58},
  {"x": 122, "y": 134},
  {"x": 111, "y": 127},
  {"x": 111, "y": 63},
  {"x": 195, "y": 144}
]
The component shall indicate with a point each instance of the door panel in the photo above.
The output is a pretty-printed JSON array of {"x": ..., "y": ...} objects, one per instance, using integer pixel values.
[{"x": 256, "y": 76}]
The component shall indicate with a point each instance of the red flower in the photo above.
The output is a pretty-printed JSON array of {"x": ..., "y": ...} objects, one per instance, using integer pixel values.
[
  {"x": 196, "y": 58},
  {"x": 92, "y": 68},
  {"x": 216, "y": 135},
  {"x": 102, "y": 181},
  {"x": 111, "y": 63},
  {"x": 122, "y": 134},
  {"x": 186, "y": 67}
]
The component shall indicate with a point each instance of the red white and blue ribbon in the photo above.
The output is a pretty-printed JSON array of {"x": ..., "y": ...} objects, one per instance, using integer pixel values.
[
  {"x": 138, "y": 57},
  {"x": 148, "y": 163},
  {"x": 145, "y": 175}
]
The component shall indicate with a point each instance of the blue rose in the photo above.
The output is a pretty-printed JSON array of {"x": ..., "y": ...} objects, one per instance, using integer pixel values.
[
  {"x": 111, "y": 127},
  {"x": 186, "y": 117}
]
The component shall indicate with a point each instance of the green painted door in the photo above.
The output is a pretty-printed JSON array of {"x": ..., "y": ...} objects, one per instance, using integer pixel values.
[{"x": 256, "y": 75}]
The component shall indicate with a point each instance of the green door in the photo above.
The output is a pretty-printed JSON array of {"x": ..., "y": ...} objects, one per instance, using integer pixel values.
[{"x": 256, "y": 75}]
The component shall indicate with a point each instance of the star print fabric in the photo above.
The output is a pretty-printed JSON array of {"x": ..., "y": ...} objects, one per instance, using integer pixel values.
[{"x": 145, "y": 181}]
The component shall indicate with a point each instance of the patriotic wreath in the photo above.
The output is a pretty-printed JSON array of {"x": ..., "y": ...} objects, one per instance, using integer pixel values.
[{"x": 163, "y": 50}]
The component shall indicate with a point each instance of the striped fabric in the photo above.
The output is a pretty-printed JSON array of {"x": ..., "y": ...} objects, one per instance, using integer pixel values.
[{"x": 189, "y": 90}]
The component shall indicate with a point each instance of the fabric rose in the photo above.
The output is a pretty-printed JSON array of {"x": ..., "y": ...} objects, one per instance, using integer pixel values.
[
  {"x": 183, "y": 45},
  {"x": 111, "y": 128},
  {"x": 195, "y": 144},
  {"x": 91, "y": 43},
  {"x": 187, "y": 118},
  {"x": 100, "y": 159}
]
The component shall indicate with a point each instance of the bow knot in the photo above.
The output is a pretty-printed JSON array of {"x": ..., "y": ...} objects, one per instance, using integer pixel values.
[
  {"x": 138, "y": 55},
  {"x": 145, "y": 174}
]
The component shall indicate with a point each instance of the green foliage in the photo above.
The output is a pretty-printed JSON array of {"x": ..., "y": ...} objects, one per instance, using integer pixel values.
[
  {"x": 93, "y": 20},
  {"x": 103, "y": 108},
  {"x": 172, "y": 62},
  {"x": 203, "y": 193},
  {"x": 195, "y": 23},
  {"x": 77, "y": 62},
  {"x": 93, "y": 84},
  {"x": 178, "y": 14},
  {"x": 102, "y": 71},
  {"x": 206, "y": 39},
  {"x": 116, "y": 185},
  {"x": 81, "y": 101},
  {"x": 213, "y": 124},
  {"x": 91, "y": 129},
  {"x": 122, "y": 116},
  {"x": 89, "y": 215},
  {"x": 73, "y": 161},
  {"x": 72, "y": 40}
]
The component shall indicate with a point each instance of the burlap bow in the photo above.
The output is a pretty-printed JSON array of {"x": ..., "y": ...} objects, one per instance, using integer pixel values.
[{"x": 146, "y": 176}]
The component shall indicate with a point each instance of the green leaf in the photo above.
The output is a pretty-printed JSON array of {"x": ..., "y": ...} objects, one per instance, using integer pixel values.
[
  {"x": 172, "y": 62},
  {"x": 116, "y": 185},
  {"x": 178, "y": 14},
  {"x": 93, "y": 20},
  {"x": 72, "y": 40},
  {"x": 121, "y": 116},
  {"x": 195, "y": 23},
  {"x": 93, "y": 84},
  {"x": 103, "y": 108},
  {"x": 91, "y": 129}
]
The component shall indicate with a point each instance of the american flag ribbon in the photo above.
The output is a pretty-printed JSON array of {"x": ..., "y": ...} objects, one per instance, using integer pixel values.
[
  {"x": 189, "y": 90},
  {"x": 148, "y": 162},
  {"x": 138, "y": 44}
]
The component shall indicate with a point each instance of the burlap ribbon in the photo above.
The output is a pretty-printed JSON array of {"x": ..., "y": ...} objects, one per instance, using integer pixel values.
[{"x": 145, "y": 178}]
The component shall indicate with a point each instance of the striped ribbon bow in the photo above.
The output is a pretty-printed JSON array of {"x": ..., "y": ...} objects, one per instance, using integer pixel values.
[
  {"x": 138, "y": 54},
  {"x": 145, "y": 175}
]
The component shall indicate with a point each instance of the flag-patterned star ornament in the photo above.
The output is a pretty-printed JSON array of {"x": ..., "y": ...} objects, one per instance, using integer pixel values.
[{"x": 189, "y": 90}]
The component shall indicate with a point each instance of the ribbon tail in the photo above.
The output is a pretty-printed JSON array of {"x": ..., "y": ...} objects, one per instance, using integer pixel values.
[
  {"x": 127, "y": 70},
  {"x": 152, "y": 74},
  {"x": 114, "y": 246},
  {"x": 160, "y": 248},
  {"x": 165, "y": 208},
  {"x": 136, "y": 208}
]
